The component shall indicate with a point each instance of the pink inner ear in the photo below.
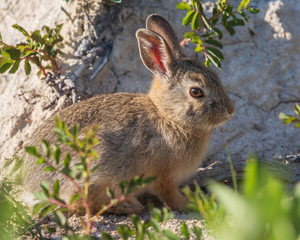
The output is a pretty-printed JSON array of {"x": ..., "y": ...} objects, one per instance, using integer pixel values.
[{"x": 156, "y": 55}]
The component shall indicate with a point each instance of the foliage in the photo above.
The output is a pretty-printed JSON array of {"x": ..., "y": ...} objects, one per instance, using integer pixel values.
[
  {"x": 288, "y": 119},
  {"x": 37, "y": 49},
  {"x": 262, "y": 210},
  {"x": 14, "y": 221},
  {"x": 50, "y": 200},
  {"x": 205, "y": 33}
]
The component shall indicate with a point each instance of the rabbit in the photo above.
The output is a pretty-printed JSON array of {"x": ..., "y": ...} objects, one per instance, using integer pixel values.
[{"x": 164, "y": 133}]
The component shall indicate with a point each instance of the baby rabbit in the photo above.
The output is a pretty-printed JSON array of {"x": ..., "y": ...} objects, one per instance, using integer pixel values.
[{"x": 164, "y": 133}]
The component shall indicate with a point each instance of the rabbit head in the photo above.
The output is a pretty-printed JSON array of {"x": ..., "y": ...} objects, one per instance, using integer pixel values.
[{"x": 183, "y": 89}]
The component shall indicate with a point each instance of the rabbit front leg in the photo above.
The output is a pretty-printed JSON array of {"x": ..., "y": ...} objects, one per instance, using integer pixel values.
[{"x": 169, "y": 193}]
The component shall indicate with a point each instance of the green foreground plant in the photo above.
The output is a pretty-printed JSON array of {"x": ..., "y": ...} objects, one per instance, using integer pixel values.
[
  {"x": 204, "y": 27},
  {"x": 14, "y": 220},
  {"x": 289, "y": 119},
  {"x": 37, "y": 49}
]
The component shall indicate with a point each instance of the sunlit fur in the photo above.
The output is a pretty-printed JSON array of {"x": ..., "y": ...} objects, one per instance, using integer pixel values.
[{"x": 164, "y": 133}]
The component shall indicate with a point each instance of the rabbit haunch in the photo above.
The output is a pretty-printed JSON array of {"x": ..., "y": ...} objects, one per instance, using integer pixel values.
[{"x": 164, "y": 133}]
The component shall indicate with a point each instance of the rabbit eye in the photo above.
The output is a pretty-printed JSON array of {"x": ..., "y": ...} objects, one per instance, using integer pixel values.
[{"x": 196, "y": 92}]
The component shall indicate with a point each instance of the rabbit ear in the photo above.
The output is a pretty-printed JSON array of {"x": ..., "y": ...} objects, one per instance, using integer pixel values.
[
  {"x": 161, "y": 26},
  {"x": 154, "y": 52}
]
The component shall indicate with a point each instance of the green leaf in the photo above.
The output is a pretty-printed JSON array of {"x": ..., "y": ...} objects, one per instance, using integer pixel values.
[
  {"x": 230, "y": 29},
  {"x": 215, "y": 52},
  {"x": 185, "y": 231},
  {"x": 75, "y": 198},
  {"x": 32, "y": 151},
  {"x": 40, "y": 161},
  {"x": 15, "y": 67},
  {"x": 199, "y": 49},
  {"x": 13, "y": 53},
  {"x": 236, "y": 22},
  {"x": 207, "y": 62},
  {"x": 206, "y": 22},
  {"x": 27, "y": 67},
  {"x": 56, "y": 188},
  {"x": 184, "y": 6},
  {"x": 214, "y": 42},
  {"x": 170, "y": 235},
  {"x": 199, "y": 7},
  {"x": 56, "y": 154},
  {"x": 47, "y": 210},
  {"x": 198, "y": 232},
  {"x": 28, "y": 53},
  {"x": 155, "y": 224},
  {"x": 46, "y": 29},
  {"x": 22, "y": 30},
  {"x": 215, "y": 11},
  {"x": 37, "y": 207},
  {"x": 40, "y": 196},
  {"x": 49, "y": 169},
  {"x": 195, "y": 21},
  {"x": 188, "y": 18},
  {"x": 193, "y": 37},
  {"x": 5, "y": 66},
  {"x": 125, "y": 231},
  {"x": 214, "y": 60},
  {"x": 252, "y": 10},
  {"x": 0, "y": 37},
  {"x": 60, "y": 218},
  {"x": 243, "y": 15},
  {"x": 106, "y": 236},
  {"x": 283, "y": 116},
  {"x": 218, "y": 32},
  {"x": 67, "y": 160}
]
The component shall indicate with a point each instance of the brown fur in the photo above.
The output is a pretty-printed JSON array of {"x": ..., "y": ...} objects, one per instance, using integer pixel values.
[{"x": 164, "y": 133}]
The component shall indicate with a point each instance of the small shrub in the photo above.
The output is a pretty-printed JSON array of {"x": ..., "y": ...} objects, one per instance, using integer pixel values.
[
  {"x": 205, "y": 33},
  {"x": 37, "y": 49}
]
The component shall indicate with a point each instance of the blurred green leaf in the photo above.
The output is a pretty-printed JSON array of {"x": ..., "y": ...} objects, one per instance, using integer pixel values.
[
  {"x": 170, "y": 235},
  {"x": 188, "y": 18},
  {"x": 185, "y": 231},
  {"x": 215, "y": 52},
  {"x": 5, "y": 66},
  {"x": 184, "y": 6},
  {"x": 49, "y": 169},
  {"x": 27, "y": 67},
  {"x": 198, "y": 232},
  {"x": 15, "y": 67},
  {"x": 206, "y": 22},
  {"x": 214, "y": 42},
  {"x": 41, "y": 196},
  {"x": 236, "y": 22},
  {"x": 243, "y": 15},
  {"x": 75, "y": 198},
  {"x": 252, "y": 10},
  {"x": 106, "y": 236},
  {"x": 218, "y": 32},
  {"x": 60, "y": 218},
  {"x": 56, "y": 154},
  {"x": 37, "y": 207},
  {"x": 32, "y": 151},
  {"x": 230, "y": 29},
  {"x": 47, "y": 210},
  {"x": 195, "y": 21},
  {"x": 46, "y": 147},
  {"x": 56, "y": 188},
  {"x": 215, "y": 60},
  {"x": 22, "y": 30}
]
